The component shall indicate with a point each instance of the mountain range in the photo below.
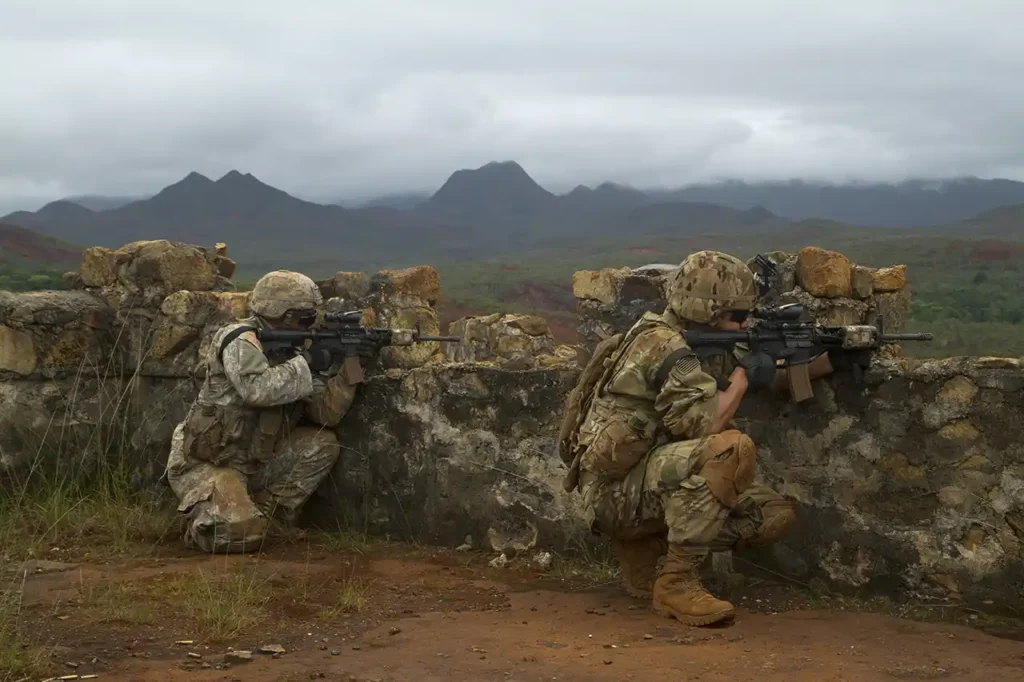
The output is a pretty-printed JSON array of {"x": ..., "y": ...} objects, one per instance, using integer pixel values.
[{"x": 496, "y": 209}]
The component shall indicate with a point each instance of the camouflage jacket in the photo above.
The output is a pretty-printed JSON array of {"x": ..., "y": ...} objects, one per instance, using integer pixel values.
[
  {"x": 658, "y": 390},
  {"x": 248, "y": 403}
]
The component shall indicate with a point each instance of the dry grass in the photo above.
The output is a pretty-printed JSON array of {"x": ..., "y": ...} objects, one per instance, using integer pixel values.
[
  {"x": 352, "y": 597},
  {"x": 117, "y": 602},
  {"x": 585, "y": 563},
  {"x": 17, "y": 658},
  {"x": 217, "y": 607}
]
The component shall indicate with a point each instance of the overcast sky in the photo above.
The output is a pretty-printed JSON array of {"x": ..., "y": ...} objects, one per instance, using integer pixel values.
[{"x": 345, "y": 99}]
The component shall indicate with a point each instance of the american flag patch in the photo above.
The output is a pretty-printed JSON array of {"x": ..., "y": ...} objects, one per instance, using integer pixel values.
[{"x": 253, "y": 339}]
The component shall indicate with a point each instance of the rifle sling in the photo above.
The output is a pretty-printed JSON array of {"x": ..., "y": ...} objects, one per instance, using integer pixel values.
[
  {"x": 229, "y": 337},
  {"x": 668, "y": 363}
]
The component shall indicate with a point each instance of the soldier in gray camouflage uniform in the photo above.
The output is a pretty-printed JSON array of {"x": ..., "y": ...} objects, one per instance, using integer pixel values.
[
  {"x": 259, "y": 438},
  {"x": 661, "y": 466}
]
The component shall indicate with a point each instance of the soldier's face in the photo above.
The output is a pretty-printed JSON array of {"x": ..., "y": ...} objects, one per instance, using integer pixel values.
[{"x": 736, "y": 320}]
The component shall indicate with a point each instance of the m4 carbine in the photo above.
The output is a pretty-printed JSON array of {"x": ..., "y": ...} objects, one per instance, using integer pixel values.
[
  {"x": 783, "y": 334},
  {"x": 342, "y": 337}
]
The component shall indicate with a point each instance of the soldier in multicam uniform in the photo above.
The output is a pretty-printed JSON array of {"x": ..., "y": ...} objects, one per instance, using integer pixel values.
[
  {"x": 259, "y": 438},
  {"x": 660, "y": 467}
]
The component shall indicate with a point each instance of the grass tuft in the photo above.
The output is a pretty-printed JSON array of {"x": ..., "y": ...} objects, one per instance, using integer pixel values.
[
  {"x": 218, "y": 607},
  {"x": 587, "y": 563},
  {"x": 352, "y": 597}
]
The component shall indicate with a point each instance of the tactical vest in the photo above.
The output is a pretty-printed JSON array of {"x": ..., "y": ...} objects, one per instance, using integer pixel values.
[
  {"x": 234, "y": 433},
  {"x": 610, "y": 434}
]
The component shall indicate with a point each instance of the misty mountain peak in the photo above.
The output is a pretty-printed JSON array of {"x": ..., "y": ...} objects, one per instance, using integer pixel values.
[
  {"x": 194, "y": 179},
  {"x": 495, "y": 186}
]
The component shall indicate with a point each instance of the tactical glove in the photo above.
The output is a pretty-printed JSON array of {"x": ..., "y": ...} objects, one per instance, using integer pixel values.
[
  {"x": 845, "y": 360},
  {"x": 367, "y": 350},
  {"x": 318, "y": 359},
  {"x": 760, "y": 369}
]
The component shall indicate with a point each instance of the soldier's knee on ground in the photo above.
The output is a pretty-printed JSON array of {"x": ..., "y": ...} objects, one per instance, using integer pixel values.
[
  {"x": 778, "y": 515},
  {"x": 226, "y": 521},
  {"x": 728, "y": 463},
  {"x": 314, "y": 442}
]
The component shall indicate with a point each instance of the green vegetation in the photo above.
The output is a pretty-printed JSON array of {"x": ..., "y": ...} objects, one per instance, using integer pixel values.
[
  {"x": 964, "y": 290},
  {"x": 77, "y": 492},
  {"x": 28, "y": 278}
]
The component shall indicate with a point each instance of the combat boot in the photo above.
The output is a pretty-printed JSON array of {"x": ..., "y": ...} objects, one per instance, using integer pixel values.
[
  {"x": 678, "y": 592},
  {"x": 638, "y": 563}
]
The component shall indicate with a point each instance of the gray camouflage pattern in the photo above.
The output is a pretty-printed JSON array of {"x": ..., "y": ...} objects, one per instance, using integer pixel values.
[{"x": 247, "y": 452}]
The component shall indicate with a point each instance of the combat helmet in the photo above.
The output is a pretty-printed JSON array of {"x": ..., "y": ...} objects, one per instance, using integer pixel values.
[
  {"x": 276, "y": 293},
  {"x": 709, "y": 285}
]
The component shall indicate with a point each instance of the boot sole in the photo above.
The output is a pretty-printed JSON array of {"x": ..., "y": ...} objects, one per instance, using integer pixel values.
[{"x": 696, "y": 621}]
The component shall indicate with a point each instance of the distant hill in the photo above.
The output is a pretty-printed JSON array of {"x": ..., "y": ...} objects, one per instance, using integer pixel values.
[
  {"x": 1002, "y": 222},
  {"x": 95, "y": 202},
  {"x": 494, "y": 190},
  {"x": 403, "y": 202},
  {"x": 496, "y": 208},
  {"x": 492, "y": 210},
  {"x": 23, "y": 246},
  {"x": 908, "y": 204}
]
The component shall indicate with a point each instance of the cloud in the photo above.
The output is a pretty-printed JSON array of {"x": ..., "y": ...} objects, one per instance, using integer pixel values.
[{"x": 333, "y": 99}]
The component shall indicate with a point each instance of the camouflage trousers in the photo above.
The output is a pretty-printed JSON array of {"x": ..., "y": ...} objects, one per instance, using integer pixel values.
[
  {"x": 228, "y": 507},
  {"x": 677, "y": 489}
]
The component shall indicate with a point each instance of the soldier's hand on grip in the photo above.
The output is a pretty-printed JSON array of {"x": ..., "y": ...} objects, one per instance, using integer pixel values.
[
  {"x": 318, "y": 359},
  {"x": 760, "y": 369},
  {"x": 844, "y": 360},
  {"x": 367, "y": 349}
]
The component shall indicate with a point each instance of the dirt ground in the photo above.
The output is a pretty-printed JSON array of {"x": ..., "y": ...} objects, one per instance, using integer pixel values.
[{"x": 392, "y": 612}]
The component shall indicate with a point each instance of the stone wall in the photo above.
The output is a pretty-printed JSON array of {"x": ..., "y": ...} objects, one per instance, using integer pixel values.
[
  {"x": 830, "y": 287},
  {"x": 912, "y": 483}
]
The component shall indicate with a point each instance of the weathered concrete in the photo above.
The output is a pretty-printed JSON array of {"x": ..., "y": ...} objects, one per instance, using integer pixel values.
[
  {"x": 911, "y": 484},
  {"x": 449, "y": 451}
]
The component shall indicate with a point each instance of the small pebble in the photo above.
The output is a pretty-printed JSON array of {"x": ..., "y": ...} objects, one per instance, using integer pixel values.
[
  {"x": 272, "y": 649},
  {"x": 335, "y": 652}
]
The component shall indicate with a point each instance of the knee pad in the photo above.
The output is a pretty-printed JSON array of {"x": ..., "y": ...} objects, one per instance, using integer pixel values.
[
  {"x": 217, "y": 536},
  {"x": 777, "y": 516},
  {"x": 728, "y": 463},
  {"x": 226, "y": 520}
]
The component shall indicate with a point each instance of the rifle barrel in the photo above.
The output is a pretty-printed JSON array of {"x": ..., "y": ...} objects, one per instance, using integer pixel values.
[
  {"x": 921, "y": 336},
  {"x": 439, "y": 338}
]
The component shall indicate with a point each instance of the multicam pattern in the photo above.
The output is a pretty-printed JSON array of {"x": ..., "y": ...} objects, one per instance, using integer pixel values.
[
  {"x": 708, "y": 284},
  {"x": 672, "y": 487}
]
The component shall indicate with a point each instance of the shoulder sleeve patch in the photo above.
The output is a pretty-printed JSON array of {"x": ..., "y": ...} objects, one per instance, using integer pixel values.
[
  {"x": 681, "y": 362},
  {"x": 253, "y": 339}
]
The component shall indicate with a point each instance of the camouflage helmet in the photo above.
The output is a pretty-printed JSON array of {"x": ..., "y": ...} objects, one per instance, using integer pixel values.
[
  {"x": 709, "y": 284},
  {"x": 282, "y": 290}
]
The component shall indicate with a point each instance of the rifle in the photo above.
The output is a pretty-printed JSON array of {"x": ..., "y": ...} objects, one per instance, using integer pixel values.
[
  {"x": 341, "y": 335},
  {"x": 766, "y": 277},
  {"x": 783, "y": 333}
]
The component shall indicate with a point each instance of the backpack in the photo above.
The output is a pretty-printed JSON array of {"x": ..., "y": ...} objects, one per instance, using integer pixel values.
[
  {"x": 578, "y": 401},
  {"x": 577, "y": 404}
]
